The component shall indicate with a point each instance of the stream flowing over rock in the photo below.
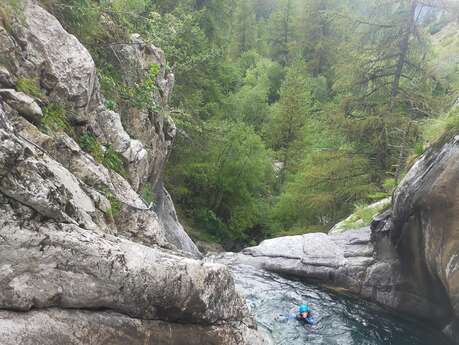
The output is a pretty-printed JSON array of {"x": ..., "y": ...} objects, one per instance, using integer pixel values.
[
  {"x": 73, "y": 270},
  {"x": 408, "y": 260}
]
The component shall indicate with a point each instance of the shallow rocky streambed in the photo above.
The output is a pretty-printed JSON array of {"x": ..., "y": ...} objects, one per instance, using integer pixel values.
[{"x": 341, "y": 320}]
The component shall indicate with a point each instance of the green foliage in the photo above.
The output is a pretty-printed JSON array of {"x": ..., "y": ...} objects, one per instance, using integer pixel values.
[
  {"x": 245, "y": 33},
  {"x": 10, "y": 9},
  {"x": 251, "y": 102},
  {"x": 225, "y": 182},
  {"x": 342, "y": 92},
  {"x": 55, "y": 119},
  {"x": 129, "y": 7},
  {"x": 115, "y": 205},
  {"x": 110, "y": 84},
  {"x": 291, "y": 113},
  {"x": 89, "y": 143},
  {"x": 29, "y": 86},
  {"x": 110, "y": 105},
  {"x": 148, "y": 194},
  {"x": 113, "y": 160},
  {"x": 321, "y": 191},
  {"x": 95, "y": 22},
  {"x": 444, "y": 125},
  {"x": 364, "y": 214},
  {"x": 141, "y": 95},
  {"x": 105, "y": 156}
]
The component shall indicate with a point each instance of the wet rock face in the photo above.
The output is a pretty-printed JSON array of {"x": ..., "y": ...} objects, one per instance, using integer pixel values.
[
  {"x": 173, "y": 229},
  {"x": 424, "y": 229}
]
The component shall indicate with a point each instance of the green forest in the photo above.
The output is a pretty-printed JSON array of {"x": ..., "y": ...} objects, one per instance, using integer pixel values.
[{"x": 291, "y": 114}]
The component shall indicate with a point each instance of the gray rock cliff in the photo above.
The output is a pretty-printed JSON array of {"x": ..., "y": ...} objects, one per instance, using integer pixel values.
[{"x": 83, "y": 258}]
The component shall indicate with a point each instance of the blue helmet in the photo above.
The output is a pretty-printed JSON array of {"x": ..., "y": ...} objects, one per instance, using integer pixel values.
[{"x": 303, "y": 308}]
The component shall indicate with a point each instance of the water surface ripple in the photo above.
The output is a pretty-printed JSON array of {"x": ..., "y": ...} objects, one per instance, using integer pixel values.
[{"x": 341, "y": 320}]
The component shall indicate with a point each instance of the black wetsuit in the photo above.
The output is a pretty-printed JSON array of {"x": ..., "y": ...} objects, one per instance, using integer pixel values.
[{"x": 306, "y": 321}]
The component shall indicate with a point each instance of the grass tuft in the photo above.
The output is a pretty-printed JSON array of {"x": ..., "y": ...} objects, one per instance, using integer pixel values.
[
  {"x": 29, "y": 87},
  {"x": 55, "y": 120}
]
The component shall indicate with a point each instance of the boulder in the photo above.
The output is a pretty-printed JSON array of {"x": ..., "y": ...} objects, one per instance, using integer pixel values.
[
  {"x": 41, "y": 183},
  {"x": 5, "y": 78},
  {"x": 23, "y": 104},
  {"x": 337, "y": 261},
  {"x": 57, "y": 59},
  {"x": 47, "y": 264}
]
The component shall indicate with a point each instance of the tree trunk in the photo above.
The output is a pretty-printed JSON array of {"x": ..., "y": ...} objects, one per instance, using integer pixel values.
[{"x": 404, "y": 45}]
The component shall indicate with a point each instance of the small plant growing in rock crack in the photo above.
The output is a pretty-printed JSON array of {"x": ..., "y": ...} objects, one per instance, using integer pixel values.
[
  {"x": 107, "y": 157},
  {"x": 55, "y": 119},
  {"x": 148, "y": 194},
  {"x": 115, "y": 205},
  {"x": 113, "y": 160},
  {"x": 110, "y": 105},
  {"x": 29, "y": 86},
  {"x": 89, "y": 143}
]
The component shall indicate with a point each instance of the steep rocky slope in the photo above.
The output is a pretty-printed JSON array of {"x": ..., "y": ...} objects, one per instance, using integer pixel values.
[
  {"x": 424, "y": 233},
  {"x": 83, "y": 258},
  {"x": 408, "y": 260}
]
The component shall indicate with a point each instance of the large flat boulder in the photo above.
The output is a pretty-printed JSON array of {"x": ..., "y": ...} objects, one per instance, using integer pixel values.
[{"x": 338, "y": 260}]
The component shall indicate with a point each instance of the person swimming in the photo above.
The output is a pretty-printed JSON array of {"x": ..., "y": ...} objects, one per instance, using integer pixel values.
[{"x": 304, "y": 315}]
